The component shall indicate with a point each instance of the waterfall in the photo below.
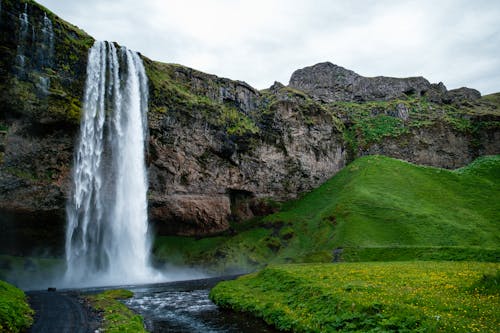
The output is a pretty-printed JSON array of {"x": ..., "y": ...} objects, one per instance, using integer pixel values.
[
  {"x": 46, "y": 47},
  {"x": 35, "y": 51},
  {"x": 107, "y": 239},
  {"x": 45, "y": 53},
  {"x": 21, "y": 44}
]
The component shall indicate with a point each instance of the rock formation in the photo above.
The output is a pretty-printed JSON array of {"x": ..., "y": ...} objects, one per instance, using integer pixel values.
[
  {"x": 219, "y": 150},
  {"x": 327, "y": 82}
]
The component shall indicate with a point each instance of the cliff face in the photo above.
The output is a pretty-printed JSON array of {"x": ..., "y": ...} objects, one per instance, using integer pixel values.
[
  {"x": 219, "y": 150},
  {"x": 42, "y": 72}
]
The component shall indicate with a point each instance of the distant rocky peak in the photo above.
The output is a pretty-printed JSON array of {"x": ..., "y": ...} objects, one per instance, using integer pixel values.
[
  {"x": 322, "y": 75},
  {"x": 328, "y": 82}
]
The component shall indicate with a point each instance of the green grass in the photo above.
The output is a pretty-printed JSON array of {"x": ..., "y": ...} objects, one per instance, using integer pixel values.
[
  {"x": 15, "y": 312},
  {"x": 117, "y": 317},
  {"x": 370, "y": 297},
  {"x": 379, "y": 202},
  {"x": 372, "y": 122},
  {"x": 221, "y": 254},
  {"x": 377, "y": 208},
  {"x": 386, "y": 202},
  {"x": 170, "y": 93}
]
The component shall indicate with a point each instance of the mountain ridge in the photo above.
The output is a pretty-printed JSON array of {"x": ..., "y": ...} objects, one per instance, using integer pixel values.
[{"x": 330, "y": 83}]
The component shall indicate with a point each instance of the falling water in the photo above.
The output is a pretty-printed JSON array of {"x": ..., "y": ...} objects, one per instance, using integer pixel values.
[
  {"x": 107, "y": 240},
  {"x": 21, "y": 45},
  {"x": 45, "y": 53},
  {"x": 46, "y": 49}
]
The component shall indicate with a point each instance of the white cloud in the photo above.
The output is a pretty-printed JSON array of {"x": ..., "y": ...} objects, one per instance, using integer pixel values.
[{"x": 260, "y": 41}]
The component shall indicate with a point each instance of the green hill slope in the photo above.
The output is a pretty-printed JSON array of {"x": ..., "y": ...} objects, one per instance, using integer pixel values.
[
  {"x": 377, "y": 208},
  {"x": 382, "y": 202}
]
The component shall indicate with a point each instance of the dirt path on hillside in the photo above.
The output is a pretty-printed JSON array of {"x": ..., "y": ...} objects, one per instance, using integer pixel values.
[{"x": 61, "y": 312}]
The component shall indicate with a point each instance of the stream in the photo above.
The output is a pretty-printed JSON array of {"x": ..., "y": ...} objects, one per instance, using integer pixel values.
[{"x": 185, "y": 307}]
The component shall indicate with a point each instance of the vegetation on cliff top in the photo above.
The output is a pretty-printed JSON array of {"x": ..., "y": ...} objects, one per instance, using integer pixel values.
[
  {"x": 377, "y": 208},
  {"x": 173, "y": 90},
  {"x": 48, "y": 87},
  {"x": 370, "y": 297},
  {"x": 371, "y": 122},
  {"x": 15, "y": 312},
  {"x": 176, "y": 88},
  {"x": 117, "y": 317}
]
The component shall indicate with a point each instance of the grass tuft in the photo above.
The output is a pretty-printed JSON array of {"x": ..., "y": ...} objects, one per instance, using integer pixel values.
[
  {"x": 117, "y": 317},
  {"x": 15, "y": 312}
]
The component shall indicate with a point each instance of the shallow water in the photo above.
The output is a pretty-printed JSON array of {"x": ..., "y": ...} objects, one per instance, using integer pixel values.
[{"x": 185, "y": 307}]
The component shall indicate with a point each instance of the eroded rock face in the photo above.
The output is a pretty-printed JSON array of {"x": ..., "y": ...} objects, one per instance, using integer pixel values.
[
  {"x": 462, "y": 94},
  {"x": 329, "y": 83},
  {"x": 326, "y": 82},
  {"x": 438, "y": 146},
  {"x": 234, "y": 176},
  {"x": 190, "y": 215},
  {"x": 41, "y": 81},
  {"x": 235, "y": 93}
]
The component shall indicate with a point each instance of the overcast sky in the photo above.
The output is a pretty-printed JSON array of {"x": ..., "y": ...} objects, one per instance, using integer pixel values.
[{"x": 262, "y": 41}]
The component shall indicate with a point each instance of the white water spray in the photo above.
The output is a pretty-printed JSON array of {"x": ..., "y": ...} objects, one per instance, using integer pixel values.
[
  {"x": 21, "y": 44},
  {"x": 45, "y": 53},
  {"x": 46, "y": 43},
  {"x": 107, "y": 240}
]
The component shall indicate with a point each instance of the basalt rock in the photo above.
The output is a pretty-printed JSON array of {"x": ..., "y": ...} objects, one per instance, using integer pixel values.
[
  {"x": 42, "y": 72},
  {"x": 461, "y": 95},
  {"x": 236, "y": 174},
  {"x": 329, "y": 83}
]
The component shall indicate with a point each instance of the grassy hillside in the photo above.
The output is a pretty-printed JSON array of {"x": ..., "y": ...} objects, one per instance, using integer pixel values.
[
  {"x": 377, "y": 208},
  {"x": 15, "y": 313},
  {"x": 370, "y": 297}
]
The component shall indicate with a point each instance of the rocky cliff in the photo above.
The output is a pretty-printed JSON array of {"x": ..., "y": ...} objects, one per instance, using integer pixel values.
[
  {"x": 42, "y": 70},
  {"x": 219, "y": 150},
  {"x": 327, "y": 82}
]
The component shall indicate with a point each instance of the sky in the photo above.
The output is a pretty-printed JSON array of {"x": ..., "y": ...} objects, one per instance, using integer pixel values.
[{"x": 262, "y": 41}]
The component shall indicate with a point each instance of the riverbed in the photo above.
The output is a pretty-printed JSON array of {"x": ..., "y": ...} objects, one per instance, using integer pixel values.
[{"x": 185, "y": 307}]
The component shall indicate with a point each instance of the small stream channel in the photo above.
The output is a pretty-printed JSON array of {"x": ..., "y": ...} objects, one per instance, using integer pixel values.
[{"x": 185, "y": 307}]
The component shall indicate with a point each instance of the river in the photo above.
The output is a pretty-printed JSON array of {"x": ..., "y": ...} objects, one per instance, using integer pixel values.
[{"x": 185, "y": 307}]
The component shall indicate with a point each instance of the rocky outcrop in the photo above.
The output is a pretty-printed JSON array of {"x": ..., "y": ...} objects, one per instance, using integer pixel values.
[
  {"x": 330, "y": 83},
  {"x": 461, "y": 94},
  {"x": 438, "y": 145},
  {"x": 190, "y": 215},
  {"x": 42, "y": 72},
  {"x": 219, "y": 150},
  {"x": 201, "y": 159}
]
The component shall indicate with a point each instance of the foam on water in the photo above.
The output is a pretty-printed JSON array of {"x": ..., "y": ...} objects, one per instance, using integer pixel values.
[{"x": 107, "y": 240}]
